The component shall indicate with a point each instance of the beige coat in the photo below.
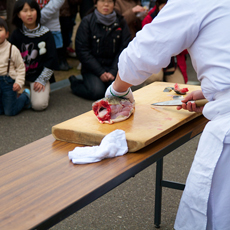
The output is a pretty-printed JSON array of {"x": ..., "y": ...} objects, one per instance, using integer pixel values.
[{"x": 17, "y": 67}]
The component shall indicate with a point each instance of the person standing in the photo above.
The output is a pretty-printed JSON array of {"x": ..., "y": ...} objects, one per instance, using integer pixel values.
[
  {"x": 201, "y": 27},
  {"x": 85, "y": 7},
  {"x": 50, "y": 19},
  {"x": 68, "y": 13},
  {"x": 133, "y": 13},
  {"x": 176, "y": 71},
  {"x": 3, "y": 12}
]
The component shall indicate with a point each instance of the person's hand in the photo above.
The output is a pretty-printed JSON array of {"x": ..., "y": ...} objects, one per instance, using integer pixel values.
[
  {"x": 141, "y": 12},
  {"x": 110, "y": 76},
  {"x": 105, "y": 77},
  {"x": 195, "y": 95},
  {"x": 38, "y": 87},
  {"x": 127, "y": 94},
  {"x": 138, "y": 8},
  {"x": 16, "y": 87}
]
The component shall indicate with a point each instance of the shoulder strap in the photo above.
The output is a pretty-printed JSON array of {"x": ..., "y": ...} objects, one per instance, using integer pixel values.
[{"x": 8, "y": 68}]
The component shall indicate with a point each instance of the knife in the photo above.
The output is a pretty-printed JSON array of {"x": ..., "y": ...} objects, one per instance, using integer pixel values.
[{"x": 198, "y": 103}]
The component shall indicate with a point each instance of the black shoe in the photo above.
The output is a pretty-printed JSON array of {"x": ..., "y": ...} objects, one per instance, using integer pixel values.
[
  {"x": 72, "y": 79},
  {"x": 63, "y": 66},
  {"x": 70, "y": 67}
]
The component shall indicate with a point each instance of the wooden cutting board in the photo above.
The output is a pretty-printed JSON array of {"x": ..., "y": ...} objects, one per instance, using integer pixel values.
[{"x": 147, "y": 124}]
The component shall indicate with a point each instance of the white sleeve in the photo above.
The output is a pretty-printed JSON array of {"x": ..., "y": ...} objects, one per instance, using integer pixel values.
[
  {"x": 50, "y": 9},
  {"x": 173, "y": 30}
]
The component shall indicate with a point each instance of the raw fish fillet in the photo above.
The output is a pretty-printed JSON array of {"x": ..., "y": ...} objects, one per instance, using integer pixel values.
[
  {"x": 112, "y": 109},
  {"x": 178, "y": 90}
]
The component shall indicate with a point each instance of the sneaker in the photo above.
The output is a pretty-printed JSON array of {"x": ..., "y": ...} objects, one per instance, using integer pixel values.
[
  {"x": 63, "y": 66},
  {"x": 27, "y": 92},
  {"x": 79, "y": 66},
  {"x": 71, "y": 52}
]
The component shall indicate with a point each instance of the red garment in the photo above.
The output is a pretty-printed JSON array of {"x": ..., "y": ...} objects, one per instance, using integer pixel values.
[
  {"x": 181, "y": 62},
  {"x": 42, "y": 3},
  {"x": 148, "y": 18}
]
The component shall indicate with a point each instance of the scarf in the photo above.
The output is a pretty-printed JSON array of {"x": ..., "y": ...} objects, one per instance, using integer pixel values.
[
  {"x": 36, "y": 32},
  {"x": 106, "y": 19}
]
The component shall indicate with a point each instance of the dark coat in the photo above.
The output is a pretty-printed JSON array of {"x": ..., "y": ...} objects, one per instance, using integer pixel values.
[{"x": 98, "y": 46}]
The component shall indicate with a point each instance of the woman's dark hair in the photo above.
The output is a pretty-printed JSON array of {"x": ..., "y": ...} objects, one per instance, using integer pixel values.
[
  {"x": 95, "y": 1},
  {"x": 19, "y": 6},
  {"x": 94, "y": 7},
  {"x": 159, "y": 2},
  {"x": 3, "y": 24}
]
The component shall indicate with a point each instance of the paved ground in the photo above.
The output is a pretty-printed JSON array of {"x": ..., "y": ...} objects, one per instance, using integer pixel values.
[{"x": 130, "y": 205}]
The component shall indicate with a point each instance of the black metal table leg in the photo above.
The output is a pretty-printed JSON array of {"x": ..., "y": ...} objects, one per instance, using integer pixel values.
[{"x": 158, "y": 192}]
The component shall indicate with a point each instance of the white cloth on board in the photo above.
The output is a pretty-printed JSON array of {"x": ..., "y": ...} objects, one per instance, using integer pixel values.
[{"x": 112, "y": 145}]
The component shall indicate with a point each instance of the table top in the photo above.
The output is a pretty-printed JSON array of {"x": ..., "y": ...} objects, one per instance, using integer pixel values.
[
  {"x": 39, "y": 185},
  {"x": 146, "y": 125}
]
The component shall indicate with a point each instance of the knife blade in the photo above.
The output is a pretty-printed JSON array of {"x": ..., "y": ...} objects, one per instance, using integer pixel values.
[{"x": 198, "y": 103}]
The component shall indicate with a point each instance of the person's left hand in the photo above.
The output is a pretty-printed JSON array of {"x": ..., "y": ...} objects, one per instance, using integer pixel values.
[
  {"x": 110, "y": 76},
  {"x": 38, "y": 87},
  {"x": 191, "y": 107},
  {"x": 104, "y": 77},
  {"x": 16, "y": 87},
  {"x": 127, "y": 95}
]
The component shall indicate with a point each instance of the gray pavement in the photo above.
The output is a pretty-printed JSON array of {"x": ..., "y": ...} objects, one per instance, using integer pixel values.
[{"x": 130, "y": 205}]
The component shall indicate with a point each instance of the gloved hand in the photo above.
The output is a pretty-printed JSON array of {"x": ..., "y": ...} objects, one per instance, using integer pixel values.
[{"x": 127, "y": 94}]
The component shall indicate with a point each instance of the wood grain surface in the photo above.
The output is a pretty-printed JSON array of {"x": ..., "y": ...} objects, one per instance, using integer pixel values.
[
  {"x": 147, "y": 124},
  {"x": 38, "y": 181}
]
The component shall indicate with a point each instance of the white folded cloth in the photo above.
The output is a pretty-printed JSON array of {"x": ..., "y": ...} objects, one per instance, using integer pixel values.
[{"x": 112, "y": 145}]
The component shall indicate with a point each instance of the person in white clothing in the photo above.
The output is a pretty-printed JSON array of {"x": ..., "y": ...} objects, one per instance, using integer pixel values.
[{"x": 201, "y": 27}]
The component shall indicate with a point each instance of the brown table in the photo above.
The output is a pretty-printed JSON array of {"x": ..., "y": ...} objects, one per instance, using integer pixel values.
[{"x": 40, "y": 186}]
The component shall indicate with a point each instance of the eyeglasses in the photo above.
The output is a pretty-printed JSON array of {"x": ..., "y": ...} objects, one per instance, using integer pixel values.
[{"x": 108, "y": 1}]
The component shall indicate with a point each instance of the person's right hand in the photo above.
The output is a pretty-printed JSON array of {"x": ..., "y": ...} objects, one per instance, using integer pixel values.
[
  {"x": 195, "y": 95},
  {"x": 38, "y": 87},
  {"x": 16, "y": 87},
  {"x": 127, "y": 95},
  {"x": 138, "y": 8}
]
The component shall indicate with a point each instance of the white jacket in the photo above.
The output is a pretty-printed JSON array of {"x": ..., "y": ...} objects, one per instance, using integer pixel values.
[
  {"x": 202, "y": 27},
  {"x": 50, "y": 15}
]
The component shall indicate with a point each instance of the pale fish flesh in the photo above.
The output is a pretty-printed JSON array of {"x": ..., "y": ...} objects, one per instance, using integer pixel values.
[{"x": 112, "y": 109}]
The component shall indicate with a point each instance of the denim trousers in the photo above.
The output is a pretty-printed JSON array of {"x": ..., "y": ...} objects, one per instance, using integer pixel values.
[{"x": 10, "y": 104}]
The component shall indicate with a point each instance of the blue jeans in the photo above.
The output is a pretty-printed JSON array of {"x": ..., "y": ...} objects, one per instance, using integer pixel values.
[
  {"x": 91, "y": 87},
  {"x": 10, "y": 105}
]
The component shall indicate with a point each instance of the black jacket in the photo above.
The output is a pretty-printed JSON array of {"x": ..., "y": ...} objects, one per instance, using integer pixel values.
[{"x": 98, "y": 46}]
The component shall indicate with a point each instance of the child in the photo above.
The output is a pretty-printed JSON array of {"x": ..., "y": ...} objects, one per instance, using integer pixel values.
[
  {"x": 37, "y": 47},
  {"x": 12, "y": 76}
]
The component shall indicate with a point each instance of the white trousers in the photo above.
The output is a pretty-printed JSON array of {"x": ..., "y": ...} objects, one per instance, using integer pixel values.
[
  {"x": 219, "y": 198},
  {"x": 40, "y": 100}
]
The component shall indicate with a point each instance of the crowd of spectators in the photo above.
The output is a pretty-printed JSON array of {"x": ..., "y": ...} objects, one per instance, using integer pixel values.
[{"x": 44, "y": 36}]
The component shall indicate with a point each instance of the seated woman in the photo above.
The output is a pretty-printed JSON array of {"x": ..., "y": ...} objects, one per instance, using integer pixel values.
[
  {"x": 133, "y": 13},
  {"x": 100, "y": 38},
  {"x": 176, "y": 71}
]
